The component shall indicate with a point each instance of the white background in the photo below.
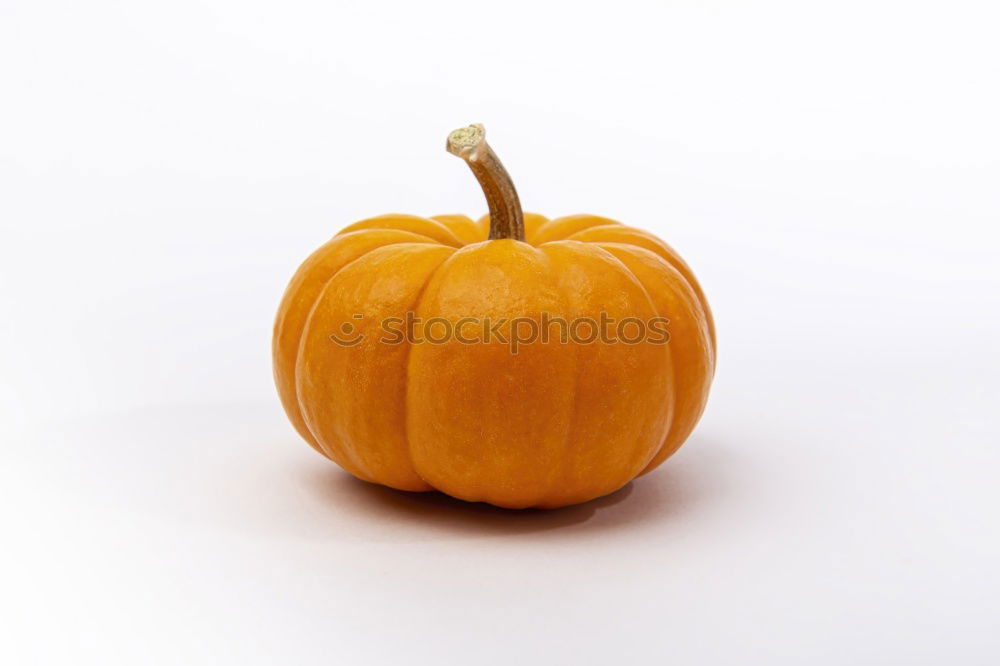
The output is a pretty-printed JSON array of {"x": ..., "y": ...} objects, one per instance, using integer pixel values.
[{"x": 830, "y": 170}]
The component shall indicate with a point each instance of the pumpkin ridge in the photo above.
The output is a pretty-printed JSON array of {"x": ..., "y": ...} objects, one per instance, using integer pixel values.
[
  {"x": 694, "y": 292},
  {"x": 599, "y": 221},
  {"x": 573, "y": 252},
  {"x": 305, "y": 328},
  {"x": 447, "y": 236},
  {"x": 456, "y": 223},
  {"x": 673, "y": 368},
  {"x": 406, "y": 371},
  {"x": 359, "y": 232},
  {"x": 599, "y": 227},
  {"x": 681, "y": 428},
  {"x": 285, "y": 312},
  {"x": 673, "y": 258},
  {"x": 670, "y": 353},
  {"x": 575, "y": 409}
]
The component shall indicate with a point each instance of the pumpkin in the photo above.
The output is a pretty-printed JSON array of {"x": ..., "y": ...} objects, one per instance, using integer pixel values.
[{"x": 551, "y": 423}]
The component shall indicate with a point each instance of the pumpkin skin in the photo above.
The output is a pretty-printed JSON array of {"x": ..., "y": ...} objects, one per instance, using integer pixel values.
[{"x": 553, "y": 425}]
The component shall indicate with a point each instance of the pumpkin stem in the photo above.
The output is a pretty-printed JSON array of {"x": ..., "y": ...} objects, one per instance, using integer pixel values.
[{"x": 506, "y": 217}]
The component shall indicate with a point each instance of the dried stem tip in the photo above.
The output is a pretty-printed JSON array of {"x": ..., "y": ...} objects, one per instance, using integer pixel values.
[
  {"x": 464, "y": 141},
  {"x": 506, "y": 217}
]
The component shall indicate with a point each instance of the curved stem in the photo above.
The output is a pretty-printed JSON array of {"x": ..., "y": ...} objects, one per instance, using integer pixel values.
[{"x": 506, "y": 217}]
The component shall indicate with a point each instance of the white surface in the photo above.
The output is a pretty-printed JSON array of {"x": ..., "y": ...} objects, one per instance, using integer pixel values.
[{"x": 829, "y": 169}]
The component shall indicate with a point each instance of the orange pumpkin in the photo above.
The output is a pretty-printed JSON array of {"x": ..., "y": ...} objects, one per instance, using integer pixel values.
[{"x": 553, "y": 422}]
